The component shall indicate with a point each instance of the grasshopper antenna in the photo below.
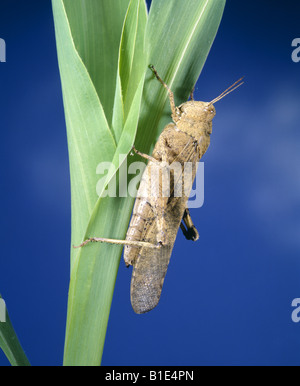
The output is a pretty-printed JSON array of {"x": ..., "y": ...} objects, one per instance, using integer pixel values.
[{"x": 234, "y": 86}]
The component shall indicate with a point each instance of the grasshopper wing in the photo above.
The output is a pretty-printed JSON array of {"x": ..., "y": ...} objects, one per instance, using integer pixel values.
[
  {"x": 147, "y": 278},
  {"x": 150, "y": 267}
]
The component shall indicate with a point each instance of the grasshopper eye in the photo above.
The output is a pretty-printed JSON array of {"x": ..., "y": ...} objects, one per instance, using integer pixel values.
[{"x": 211, "y": 110}]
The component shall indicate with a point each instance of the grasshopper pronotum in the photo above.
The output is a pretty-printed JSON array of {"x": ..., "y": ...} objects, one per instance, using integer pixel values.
[{"x": 156, "y": 218}]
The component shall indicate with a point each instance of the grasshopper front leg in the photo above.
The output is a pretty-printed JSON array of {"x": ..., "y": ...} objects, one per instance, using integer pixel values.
[
  {"x": 146, "y": 156},
  {"x": 174, "y": 109}
]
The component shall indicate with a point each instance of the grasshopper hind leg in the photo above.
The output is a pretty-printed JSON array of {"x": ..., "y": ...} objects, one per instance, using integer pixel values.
[{"x": 189, "y": 230}]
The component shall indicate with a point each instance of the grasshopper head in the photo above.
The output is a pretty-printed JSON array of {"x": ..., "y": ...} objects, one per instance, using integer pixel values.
[
  {"x": 204, "y": 111},
  {"x": 196, "y": 110}
]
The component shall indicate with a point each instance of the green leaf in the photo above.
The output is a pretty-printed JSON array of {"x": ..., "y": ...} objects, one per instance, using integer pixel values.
[
  {"x": 131, "y": 55},
  {"x": 98, "y": 50},
  {"x": 90, "y": 139},
  {"x": 108, "y": 112},
  {"x": 93, "y": 281},
  {"x": 95, "y": 143},
  {"x": 9, "y": 342}
]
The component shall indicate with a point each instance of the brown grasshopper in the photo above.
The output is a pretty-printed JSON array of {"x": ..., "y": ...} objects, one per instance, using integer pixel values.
[{"x": 157, "y": 217}]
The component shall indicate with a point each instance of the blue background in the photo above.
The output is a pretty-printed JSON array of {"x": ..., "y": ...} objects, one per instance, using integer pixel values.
[{"x": 227, "y": 298}]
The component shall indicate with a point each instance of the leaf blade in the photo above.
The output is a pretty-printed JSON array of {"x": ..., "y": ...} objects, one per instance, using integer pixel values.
[
  {"x": 98, "y": 51},
  {"x": 95, "y": 269},
  {"x": 87, "y": 127},
  {"x": 9, "y": 341}
]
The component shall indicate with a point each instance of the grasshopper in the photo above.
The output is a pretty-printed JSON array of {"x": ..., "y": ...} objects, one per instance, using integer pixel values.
[{"x": 156, "y": 218}]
